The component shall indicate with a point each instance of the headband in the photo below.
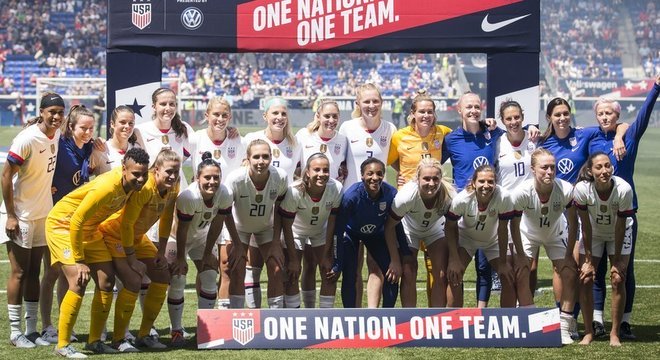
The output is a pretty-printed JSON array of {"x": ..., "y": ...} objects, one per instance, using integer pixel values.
[
  {"x": 51, "y": 100},
  {"x": 274, "y": 101}
]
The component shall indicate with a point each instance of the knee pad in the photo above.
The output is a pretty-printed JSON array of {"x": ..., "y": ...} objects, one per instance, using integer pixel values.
[
  {"x": 177, "y": 286},
  {"x": 208, "y": 281}
]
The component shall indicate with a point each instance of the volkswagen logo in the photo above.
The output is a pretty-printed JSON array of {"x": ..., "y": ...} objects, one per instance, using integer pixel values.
[
  {"x": 368, "y": 229},
  {"x": 192, "y": 18},
  {"x": 565, "y": 166},
  {"x": 480, "y": 160}
]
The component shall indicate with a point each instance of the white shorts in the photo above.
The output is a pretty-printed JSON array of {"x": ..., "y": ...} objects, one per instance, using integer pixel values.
[
  {"x": 491, "y": 250},
  {"x": 598, "y": 243},
  {"x": 555, "y": 245},
  {"x": 33, "y": 232},
  {"x": 260, "y": 238},
  {"x": 300, "y": 241},
  {"x": 194, "y": 249},
  {"x": 428, "y": 236}
]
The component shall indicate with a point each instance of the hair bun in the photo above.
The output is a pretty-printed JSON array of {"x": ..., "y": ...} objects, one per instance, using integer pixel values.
[
  {"x": 421, "y": 92},
  {"x": 206, "y": 155}
]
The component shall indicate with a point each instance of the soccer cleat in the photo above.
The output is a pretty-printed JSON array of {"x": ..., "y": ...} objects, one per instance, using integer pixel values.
[
  {"x": 22, "y": 342},
  {"x": 130, "y": 337},
  {"x": 496, "y": 284},
  {"x": 99, "y": 347},
  {"x": 564, "y": 326},
  {"x": 50, "y": 334},
  {"x": 150, "y": 342},
  {"x": 69, "y": 352},
  {"x": 125, "y": 346},
  {"x": 178, "y": 340},
  {"x": 599, "y": 329},
  {"x": 37, "y": 339},
  {"x": 625, "y": 332},
  {"x": 154, "y": 333}
]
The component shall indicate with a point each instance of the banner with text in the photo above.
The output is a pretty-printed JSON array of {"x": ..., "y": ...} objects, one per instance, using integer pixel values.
[{"x": 376, "y": 328}]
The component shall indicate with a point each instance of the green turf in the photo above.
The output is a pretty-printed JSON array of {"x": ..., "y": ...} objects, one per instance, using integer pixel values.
[{"x": 646, "y": 318}]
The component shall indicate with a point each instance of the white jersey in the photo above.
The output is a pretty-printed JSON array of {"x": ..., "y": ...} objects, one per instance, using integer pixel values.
[
  {"x": 334, "y": 148},
  {"x": 253, "y": 209},
  {"x": 417, "y": 220},
  {"x": 513, "y": 163},
  {"x": 542, "y": 219},
  {"x": 191, "y": 207},
  {"x": 155, "y": 140},
  {"x": 105, "y": 161},
  {"x": 363, "y": 145},
  {"x": 285, "y": 155},
  {"x": 36, "y": 156},
  {"x": 480, "y": 225},
  {"x": 229, "y": 153},
  {"x": 604, "y": 212},
  {"x": 311, "y": 215}
]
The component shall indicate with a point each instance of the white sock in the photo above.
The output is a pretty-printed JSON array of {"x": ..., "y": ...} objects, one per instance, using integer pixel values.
[
  {"x": 253, "y": 287},
  {"x": 326, "y": 301},
  {"x": 626, "y": 317},
  {"x": 309, "y": 298},
  {"x": 236, "y": 301},
  {"x": 598, "y": 316},
  {"x": 14, "y": 315},
  {"x": 31, "y": 316},
  {"x": 276, "y": 302},
  {"x": 291, "y": 301},
  {"x": 204, "y": 303},
  {"x": 222, "y": 304},
  {"x": 176, "y": 314}
]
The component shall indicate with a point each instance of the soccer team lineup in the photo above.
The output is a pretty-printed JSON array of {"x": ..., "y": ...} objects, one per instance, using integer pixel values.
[{"x": 296, "y": 208}]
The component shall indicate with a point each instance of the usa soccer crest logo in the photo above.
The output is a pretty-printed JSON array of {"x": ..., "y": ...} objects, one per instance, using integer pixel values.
[
  {"x": 242, "y": 328},
  {"x": 141, "y": 15},
  {"x": 337, "y": 149},
  {"x": 383, "y": 141},
  {"x": 231, "y": 152}
]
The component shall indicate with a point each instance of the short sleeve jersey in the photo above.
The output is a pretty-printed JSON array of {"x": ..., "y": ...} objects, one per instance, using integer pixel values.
[
  {"x": 253, "y": 208},
  {"x": 513, "y": 161},
  {"x": 363, "y": 144},
  {"x": 480, "y": 225},
  {"x": 285, "y": 155},
  {"x": 334, "y": 148},
  {"x": 155, "y": 140},
  {"x": 604, "y": 212},
  {"x": 311, "y": 215},
  {"x": 141, "y": 212},
  {"x": 36, "y": 155},
  {"x": 229, "y": 153},
  {"x": 542, "y": 219},
  {"x": 190, "y": 206},
  {"x": 409, "y": 148},
  {"x": 417, "y": 218}
]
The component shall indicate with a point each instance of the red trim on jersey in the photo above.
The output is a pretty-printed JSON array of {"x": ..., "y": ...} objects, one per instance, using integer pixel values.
[
  {"x": 186, "y": 153},
  {"x": 183, "y": 217},
  {"x": 370, "y": 131},
  {"x": 507, "y": 215},
  {"x": 325, "y": 139},
  {"x": 164, "y": 131},
  {"x": 281, "y": 197},
  {"x": 580, "y": 206},
  {"x": 395, "y": 216},
  {"x": 217, "y": 142},
  {"x": 286, "y": 214},
  {"x": 516, "y": 144},
  {"x": 626, "y": 213},
  {"x": 276, "y": 142},
  {"x": 451, "y": 216},
  {"x": 226, "y": 211},
  {"x": 334, "y": 211},
  {"x": 315, "y": 199},
  {"x": 121, "y": 152},
  {"x": 14, "y": 158}
]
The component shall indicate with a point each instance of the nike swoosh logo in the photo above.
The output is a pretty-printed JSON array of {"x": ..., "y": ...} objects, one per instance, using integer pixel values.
[
  {"x": 41, "y": 151},
  {"x": 309, "y": 146},
  {"x": 244, "y": 196},
  {"x": 501, "y": 156},
  {"x": 487, "y": 26},
  {"x": 152, "y": 139},
  {"x": 410, "y": 148},
  {"x": 109, "y": 162},
  {"x": 354, "y": 141}
]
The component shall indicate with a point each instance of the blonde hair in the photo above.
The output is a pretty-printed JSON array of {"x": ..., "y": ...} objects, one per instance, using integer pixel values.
[
  {"x": 446, "y": 189},
  {"x": 217, "y": 100},
  {"x": 278, "y": 101},
  {"x": 314, "y": 126},
  {"x": 358, "y": 95},
  {"x": 421, "y": 96}
]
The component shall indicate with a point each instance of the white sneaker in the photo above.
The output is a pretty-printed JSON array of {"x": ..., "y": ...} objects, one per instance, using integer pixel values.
[
  {"x": 129, "y": 337},
  {"x": 50, "y": 334},
  {"x": 125, "y": 347},
  {"x": 22, "y": 342},
  {"x": 564, "y": 326},
  {"x": 150, "y": 342},
  {"x": 70, "y": 352},
  {"x": 36, "y": 339}
]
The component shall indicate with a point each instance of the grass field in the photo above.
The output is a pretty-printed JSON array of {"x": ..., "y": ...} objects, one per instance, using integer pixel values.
[{"x": 646, "y": 318}]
